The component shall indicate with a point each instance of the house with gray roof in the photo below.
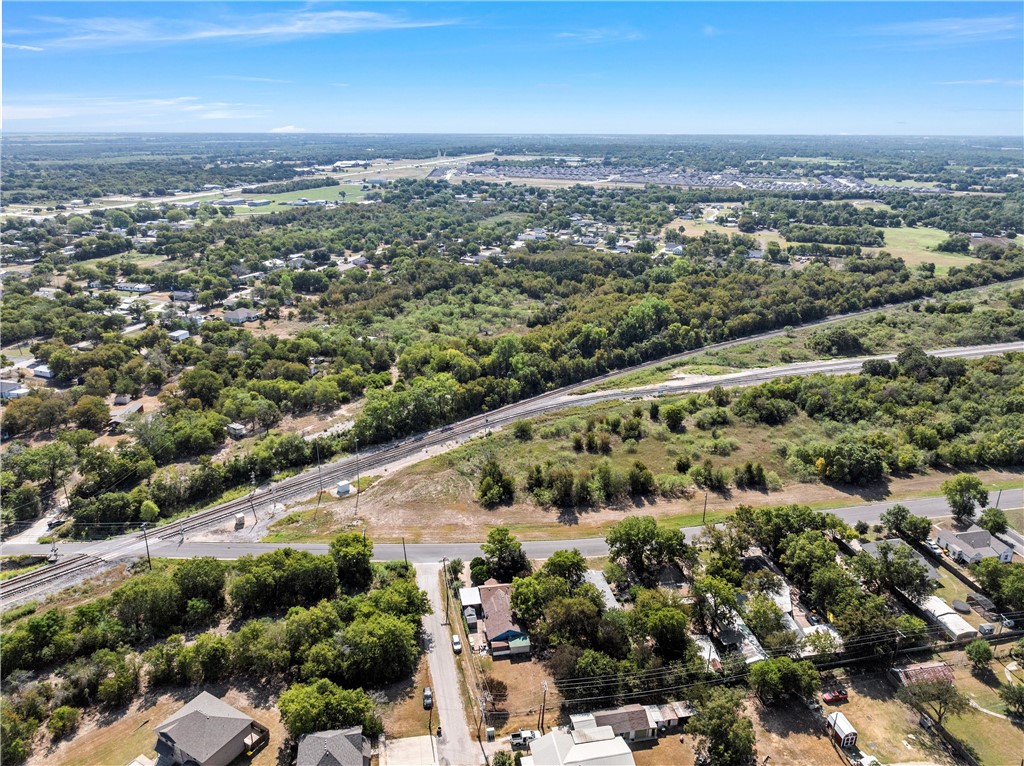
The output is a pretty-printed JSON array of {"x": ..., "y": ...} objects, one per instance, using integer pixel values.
[
  {"x": 973, "y": 545},
  {"x": 208, "y": 732},
  {"x": 336, "y": 747}
]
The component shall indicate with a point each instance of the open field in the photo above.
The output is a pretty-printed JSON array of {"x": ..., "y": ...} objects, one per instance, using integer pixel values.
[
  {"x": 790, "y": 734},
  {"x": 995, "y": 741},
  {"x": 353, "y": 193},
  {"x": 914, "y": 245},
  {"x": 516, "y": 686},
  {"x": 116, "y": 738},
  {"x": 887, "y": 728}
]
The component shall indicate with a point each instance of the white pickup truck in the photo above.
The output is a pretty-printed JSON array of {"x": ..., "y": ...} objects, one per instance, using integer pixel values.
[{"x": 523, "y": 737}]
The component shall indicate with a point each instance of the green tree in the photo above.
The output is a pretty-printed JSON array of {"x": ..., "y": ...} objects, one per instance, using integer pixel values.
[
  {"x": 380, "y": 649},
  {"x": 568, "y": 565},
  {"x": 964, "y": 492},
  {"x": 496, "y": 487},
  {"x": 201, "y": 578},
  {"x": 979, "y": 653},
  {"x": 504, "y": 555},
  {"x": 63, "y": 721},
  {"x": 51, "y": 463},
  {"x": 994, "y": 520},
  {"x": 352, "y": 553},
  {"x": 90, "y": 412},
  {"x": 322, "y": 705},
  {"x": 643, "y": 548},
  {"x": 940, "y": 698},
  {"x": 774, "y": 678},
  {"x": 1012, "y": 695},
  {"x": 724, "y": 736},
  {"x": 531, "y": 595}
]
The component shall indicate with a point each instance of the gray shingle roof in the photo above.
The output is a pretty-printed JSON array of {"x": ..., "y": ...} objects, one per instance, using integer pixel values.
[
  {"x": 204, "y": 726},
  {"x": 335, "y": 747}
]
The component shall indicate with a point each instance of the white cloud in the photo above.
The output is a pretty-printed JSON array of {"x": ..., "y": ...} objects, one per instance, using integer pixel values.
[
  {"x": 15, "y": 47},
  {"x": 136, "y": 111},
  {"x": 107, "y": 31},
  {"x": 709, "y": 31},
  {"x": 287, "y": 129},
  {"x": 952, "y": 31},
  {"x": 244, "y": 78},
  {"x": 601, "y": 35}
]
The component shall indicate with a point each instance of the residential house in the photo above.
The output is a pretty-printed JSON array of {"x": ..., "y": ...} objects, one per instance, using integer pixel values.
[
  {"x": 596, "y": 578},
  {"x": 42, "y": 371},
  {"x": 241, "y": 316},
  {"x": 179, "y": 335},
  {"x": 631, "y": 722},
  {"x": 118, "y": 420},
  {"x": 208, "y": 732},
  {"x": 134, "y": 287},
  {"x": 259, "y": 202},
  {"x": 236, "y": 430},
  {"x": 896, "y": 542},
  {"x": 336, "y": 747},
  {"x": 504, "y": 634},
  {"x": 589, "y": 747},
  {"x": 735, "y": 636},
  {"x": 12, "y": 390},
  {"x": 183, "y": 295},
  {"x": 273, "y": 264},
  {"x": 973, "y": 545}
]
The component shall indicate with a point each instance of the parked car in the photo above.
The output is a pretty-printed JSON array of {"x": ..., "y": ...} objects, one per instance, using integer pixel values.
[
  {"x": 456, "y": 644},
  {"x": 428, "y": 698},
  {"x": 524, "y": 737},
  {"x": 832, "y": 696},
  {"x": 934, "y": 549}
]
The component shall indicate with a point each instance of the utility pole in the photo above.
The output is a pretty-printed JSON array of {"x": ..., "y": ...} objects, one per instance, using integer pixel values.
[
  {"x": 703, "y": 519},
  {"x": 252, "y": 505},
  {"x": 319, "y": 480},
  {"x": 543, "y": 704},
  {"x": 404, "y": 554},
  {"x": 146, "y": 540},
  {"x": 447, "y": 588},
  {"x": 356, "y": 512}
]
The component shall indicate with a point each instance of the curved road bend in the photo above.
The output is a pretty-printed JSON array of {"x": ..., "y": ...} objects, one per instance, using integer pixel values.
[{"x": 431, "y": 553}]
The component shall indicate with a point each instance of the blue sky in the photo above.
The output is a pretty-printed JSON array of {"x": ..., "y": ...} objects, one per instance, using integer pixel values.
[{"x": 861, "y": 68}]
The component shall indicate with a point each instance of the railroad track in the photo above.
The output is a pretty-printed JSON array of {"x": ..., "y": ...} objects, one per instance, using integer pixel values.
[{"x": 28, "y": 583}]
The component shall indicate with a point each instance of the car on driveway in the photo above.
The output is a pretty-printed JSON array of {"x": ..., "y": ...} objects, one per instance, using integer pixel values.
[
  {"x": 833, "y": 696},
  {"x": 456, "y": 644},
  {"x": 934, "y": 549},
  {"x": 523, "y": 738},
  {"x": 428, "y": 698}
]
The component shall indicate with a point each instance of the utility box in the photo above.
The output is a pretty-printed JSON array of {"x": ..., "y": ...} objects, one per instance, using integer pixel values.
[
  {"x": 490, "y": 734},
  {"x": 239, "y": 520},
  {"x": 343, "y": 488}
]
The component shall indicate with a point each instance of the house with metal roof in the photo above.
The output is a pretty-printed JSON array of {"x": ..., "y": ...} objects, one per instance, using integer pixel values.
[
  {"x": 208, "y": 732},
  {"x": 335, "y": 747},
  {"x": 631, "y": 722},
  {"x": 921, "y": 672}
]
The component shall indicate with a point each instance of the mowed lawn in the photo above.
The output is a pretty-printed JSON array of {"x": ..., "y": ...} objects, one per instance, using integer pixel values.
[
  {"x": 995, "y": 741},
  {"x": 914, "y": 246},
  {"x": 353, "y": 193}
]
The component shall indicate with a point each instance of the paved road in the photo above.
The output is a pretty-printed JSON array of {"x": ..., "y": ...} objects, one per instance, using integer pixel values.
[
  {"x": 455, "y": 748},
  {"x": 431, "y": 553}
]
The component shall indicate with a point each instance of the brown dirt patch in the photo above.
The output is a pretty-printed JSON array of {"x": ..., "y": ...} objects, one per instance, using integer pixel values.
[
  {"x": 403, "y": 713},
  {"x": 791, "y": 734},
  {"x": 517, "y": 688}
]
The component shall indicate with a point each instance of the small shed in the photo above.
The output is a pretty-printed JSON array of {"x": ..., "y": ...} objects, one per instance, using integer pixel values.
[
  {"x": 179, "y": 335},
  {"x": 841, "y": 730},
  {"x": 236, "y": 430},
  {"x": 344, "y": 487},
  {"x": 470, "y": 614}
]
